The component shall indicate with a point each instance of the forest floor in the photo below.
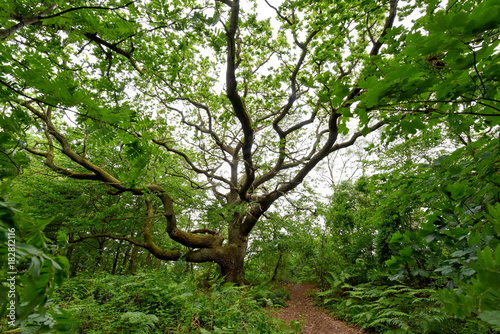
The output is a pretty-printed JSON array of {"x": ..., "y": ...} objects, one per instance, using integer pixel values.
[{"x": 314, "y": 320}]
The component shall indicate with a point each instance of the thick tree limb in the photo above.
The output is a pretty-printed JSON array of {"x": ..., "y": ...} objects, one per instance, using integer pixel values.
[
  {"x": 97, "y": 172},
  {"x": 26, "y": 21},
  {"x": 162, "y": 254},
  {"x": 210, "y": 241},
  {"x": 235, "y": 98},
  {"x": 191, "y": 240},
  {"x": 187, "y": 239},
  {"x": 205, "y": 231},
  {"x": 49, "y": 161},
  {"x": 389, "y": 22}
]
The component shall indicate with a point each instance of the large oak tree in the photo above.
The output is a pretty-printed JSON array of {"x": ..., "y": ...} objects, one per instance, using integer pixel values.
[{"x": 150, "y": 97}]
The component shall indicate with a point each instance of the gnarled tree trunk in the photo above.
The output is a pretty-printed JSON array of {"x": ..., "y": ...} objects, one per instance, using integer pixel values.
[{"x": 233, "y": 255}]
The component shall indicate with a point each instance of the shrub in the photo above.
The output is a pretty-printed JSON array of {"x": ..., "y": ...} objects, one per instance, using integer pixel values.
[
  {"x": 395, "y": 309},
  {"x": 162, "y": 303}
]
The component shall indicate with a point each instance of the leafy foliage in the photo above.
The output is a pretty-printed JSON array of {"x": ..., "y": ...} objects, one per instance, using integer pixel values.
[
  {"x": 145, "y": 322},
  {"x": 394, "y": 309},
  {"x": 164, "y": 302},
  {"x": 129, "y": 95},
  {"x": 437, "y": 213},
  {"x": 105, "y": 94},
  {"x": 30, "y": 271}
]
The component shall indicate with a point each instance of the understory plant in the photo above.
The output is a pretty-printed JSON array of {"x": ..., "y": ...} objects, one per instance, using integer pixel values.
[
  {"x": 144, "y": 303},
  {"x": 398, "y": 308}
]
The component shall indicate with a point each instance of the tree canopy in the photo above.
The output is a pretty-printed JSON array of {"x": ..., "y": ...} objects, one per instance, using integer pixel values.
[{"x": 210, "y": 113}]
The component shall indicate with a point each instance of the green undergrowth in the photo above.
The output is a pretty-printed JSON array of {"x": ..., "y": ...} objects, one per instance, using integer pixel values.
[
  {"x": 166, "y": 303},
  {"x": 385, "y": 308}
]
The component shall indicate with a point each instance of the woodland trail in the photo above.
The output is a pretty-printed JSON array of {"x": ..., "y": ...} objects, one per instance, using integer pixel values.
[{"x": 314, "y": 319}]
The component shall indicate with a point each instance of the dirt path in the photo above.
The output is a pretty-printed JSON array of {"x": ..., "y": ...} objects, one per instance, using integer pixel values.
[{"x": 314, "y": 319}]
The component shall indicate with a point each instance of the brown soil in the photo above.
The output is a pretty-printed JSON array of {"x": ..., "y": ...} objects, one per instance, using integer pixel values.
[{"x": 314, "y": 320}]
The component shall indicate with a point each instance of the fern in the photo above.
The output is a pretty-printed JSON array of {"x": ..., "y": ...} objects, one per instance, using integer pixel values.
[
  {"x": 144, "y": 322},
  {"x": 393, "y": 313},
  {"x": 394, "y": 322},
  {"x": 395, "y": 308},
  {"x": 146, "y": 329}
]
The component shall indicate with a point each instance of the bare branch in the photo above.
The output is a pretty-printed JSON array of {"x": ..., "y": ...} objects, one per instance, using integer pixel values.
[
  {"x": 356, "y": 135},
  {"x": 113, "y": 47},
  {"x": 209, "y": 131},
  {"x": 281, "y": 16},
  {"x": 193, "y": 167},
  {"x": 107, "y": 235}
]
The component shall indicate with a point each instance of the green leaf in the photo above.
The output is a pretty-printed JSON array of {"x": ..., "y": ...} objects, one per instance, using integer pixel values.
[
  {"x": 484, "y": 18},
  {"x": 456, "y": 191},
  {"x": 493, "y": 216},
  {"x": 486, "y": 258},
  {"x": 491, "y": 317}
]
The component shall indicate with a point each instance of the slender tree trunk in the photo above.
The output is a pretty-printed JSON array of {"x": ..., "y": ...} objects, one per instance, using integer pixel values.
[
  {"x": 69, "y": 252},
  {"x": 115, "y": 260},
  {"x": 151, "y": 262},
  {"x": 100, "y": 255},
  {"x": 276, "y": 268},
  {"x": 133, "y": 260},
  {"x": 74, "y": 266},
  {"x": 126, "y": 258},
  {"x": 69, "y": 255}
]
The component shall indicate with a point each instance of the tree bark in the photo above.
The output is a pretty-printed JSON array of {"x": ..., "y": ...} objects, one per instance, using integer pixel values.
[
  {"x": 232, "y": 257},
  {"x": 100, "y": 255},
  {"x": 133, "y": 260},
  {"x": 115, "y": 260},
  {"x": 276, "y": 268},
  {"x": 126, "y": 258},
  {"x": 231, "y": 265}
]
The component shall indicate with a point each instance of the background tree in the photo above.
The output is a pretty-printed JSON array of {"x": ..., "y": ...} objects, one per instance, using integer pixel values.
[
  {"x": 30, "y": 272},
  {"x": 129, "y": 95}
]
